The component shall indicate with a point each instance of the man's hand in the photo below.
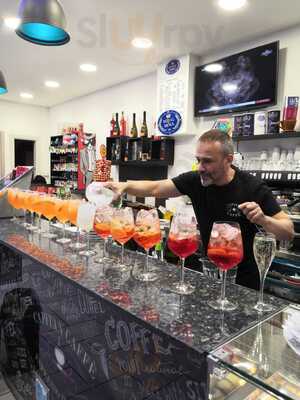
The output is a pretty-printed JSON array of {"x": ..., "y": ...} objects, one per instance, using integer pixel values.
[
  {"x": 253, "y": 212},
  {"x": 117, "y": 187}
]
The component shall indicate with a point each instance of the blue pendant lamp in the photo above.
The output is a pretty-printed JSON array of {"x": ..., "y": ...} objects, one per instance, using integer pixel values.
[
  {"x": 42, "y": 22},
  {"x": 3, "y": 87}
]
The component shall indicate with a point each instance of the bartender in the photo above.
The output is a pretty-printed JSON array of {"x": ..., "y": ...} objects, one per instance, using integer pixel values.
[{"x": 221, "y": 192}]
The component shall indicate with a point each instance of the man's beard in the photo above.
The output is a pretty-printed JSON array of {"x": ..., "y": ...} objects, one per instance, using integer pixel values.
[{"x": 206, "y": 180}]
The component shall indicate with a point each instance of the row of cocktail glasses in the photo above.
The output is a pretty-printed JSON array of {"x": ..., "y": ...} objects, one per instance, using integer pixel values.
[{"x": 225, "y": 248}]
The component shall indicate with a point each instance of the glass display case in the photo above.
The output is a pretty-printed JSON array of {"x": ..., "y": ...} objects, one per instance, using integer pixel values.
[{"x": 261, "y": 363}]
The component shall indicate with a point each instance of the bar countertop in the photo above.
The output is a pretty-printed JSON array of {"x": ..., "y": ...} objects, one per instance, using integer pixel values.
[{"x": 188, "y": 319}]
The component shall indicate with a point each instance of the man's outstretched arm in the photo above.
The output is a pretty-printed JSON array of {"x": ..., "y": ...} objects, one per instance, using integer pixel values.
[{"x": 160, "y": 189}]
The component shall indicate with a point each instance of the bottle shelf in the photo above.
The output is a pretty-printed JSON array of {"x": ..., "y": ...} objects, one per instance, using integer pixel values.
[
  {"x": 269, "y": 136},
  {"x": 149, "y": 163},
  {"x": 277, "y": 176},
  {"x": 160, "y": 151}
]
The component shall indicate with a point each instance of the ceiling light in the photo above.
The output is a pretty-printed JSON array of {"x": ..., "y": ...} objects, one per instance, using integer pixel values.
[
  {"x": 52, "y": 84},
  {"x": 229, "y": 87},
  {"x": 26, "y": 95},
  {"x": 3, "y": 86},
  {"x": 232, "y": 5},
  {"x": 142, "y": 43},
  {"x": 88, "y": 67},
  {"x": 42, "y": 22},
  {"x": 213, "y": 68},
  {"x": 12, "y": 23}
]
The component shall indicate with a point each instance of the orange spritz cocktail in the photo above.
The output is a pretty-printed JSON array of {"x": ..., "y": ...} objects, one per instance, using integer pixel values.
[
  {"x": 102, "y": 229},
  {"x": 102, "y": 226},
  {"x": 62, "y": 214},
  {"x": 121, "y": 231},
  {"x": 73, "y": 211},
  {"x": 147, "y": 234},
  {"x": 61, "y": 210}
]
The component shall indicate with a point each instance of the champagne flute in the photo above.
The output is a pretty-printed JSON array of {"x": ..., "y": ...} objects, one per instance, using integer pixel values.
[
  {"x": 183, "y": 241},
  {"x": 225, "y": 250},
  {"x": 264, "y": 248},
  {"x": 85, "y": 221},
  {"x": 122, "y": 230},
  {"x": 48, "y": 211},
  {"x": 147, "y": 234},
  {"x": 73, "y": 212},
  {"x": 102, "y": 227},
  {"x": 61, "y": 210}
]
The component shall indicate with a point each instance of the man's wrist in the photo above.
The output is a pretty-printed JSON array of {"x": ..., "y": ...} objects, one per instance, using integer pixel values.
[{"x": 267, "y": 221}]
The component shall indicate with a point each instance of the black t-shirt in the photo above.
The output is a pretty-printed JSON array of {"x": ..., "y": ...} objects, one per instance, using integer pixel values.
[{"x": 220, "y": 203}]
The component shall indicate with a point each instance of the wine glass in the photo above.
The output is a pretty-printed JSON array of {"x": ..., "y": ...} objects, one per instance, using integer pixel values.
[
  {"x": 73, "y": 211},
  {"x": 147, "y": 234},
  {"x": 48, "y": 211},
  {"x": 225, "y": 250},
  {"x": 264, "y": 248},
  {"x": 61, "y": 210},
  {"x": 102, "y": 226},
  {"x": 11, "y": 198},
  {"x": 122, "y": 230},
  {"x": 183, "y": 241},
  {"x": 85, "y": 221},
  {"x": 37, "y": 206},
  {"x": 29, "y": 203}
]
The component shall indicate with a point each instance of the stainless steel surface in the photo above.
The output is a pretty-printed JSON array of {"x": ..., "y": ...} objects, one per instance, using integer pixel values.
[{"x": 22, "y": 182}]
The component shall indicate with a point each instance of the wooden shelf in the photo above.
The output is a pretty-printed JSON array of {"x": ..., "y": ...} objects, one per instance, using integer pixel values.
[{"x": 286, "y": 135}]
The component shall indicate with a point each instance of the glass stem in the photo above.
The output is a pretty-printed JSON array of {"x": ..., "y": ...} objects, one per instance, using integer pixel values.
[
  {"x": 182, "y": 271},
  {"x": 261, "y": 289},
  {"x": 146, "y": 265},
  {"x": 40, "y": 224},
  {"x": 223, "y": 289},
  {"x": 104, "y": 248},
  {"x": 64, "y": 231},
  {"x": 32, "y": 218},
  {"x": 122, "y": 255},
  {"x": 77, "y": 235},
  {"x": 88, "y": 241}
]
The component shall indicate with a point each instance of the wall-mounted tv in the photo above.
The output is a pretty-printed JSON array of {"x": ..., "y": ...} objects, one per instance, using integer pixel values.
[{"x": 240, "y": 82}]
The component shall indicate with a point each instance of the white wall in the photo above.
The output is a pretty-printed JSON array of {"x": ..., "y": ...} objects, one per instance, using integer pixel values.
[
  {"x": 289, "y": 85},
  {"x": 95, "y": 110},
  {"x": 18, "y": 121}
]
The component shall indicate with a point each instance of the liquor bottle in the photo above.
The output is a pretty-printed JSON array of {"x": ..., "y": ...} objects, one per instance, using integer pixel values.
[
  {"x": 162, "y": 154},
  {"x": 126, "y": 154},
  {"x": 134, "y": 131},
  {"x": 117, "y": 126},
  {"x": 144, "y": 127},
  {"x": 123, "y": 125},
  {"x": 118, "y": 152},
  {"x": 112, "y": 125}
]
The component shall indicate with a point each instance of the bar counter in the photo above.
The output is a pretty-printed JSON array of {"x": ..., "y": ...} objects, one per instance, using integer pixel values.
[{"x": 75, "y": 329}]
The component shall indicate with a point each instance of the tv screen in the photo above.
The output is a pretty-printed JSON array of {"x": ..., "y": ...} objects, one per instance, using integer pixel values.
[{"x": 239, "y": 82}]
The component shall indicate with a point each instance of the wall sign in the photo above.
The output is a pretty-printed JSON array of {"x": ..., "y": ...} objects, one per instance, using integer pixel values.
[
  {"x": 172, "y": 67},
  {"x": 169, "y": 122}
]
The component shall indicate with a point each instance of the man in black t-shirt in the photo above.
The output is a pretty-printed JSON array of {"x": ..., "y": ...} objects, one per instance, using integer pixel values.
[{"x": 221, "y": 192}]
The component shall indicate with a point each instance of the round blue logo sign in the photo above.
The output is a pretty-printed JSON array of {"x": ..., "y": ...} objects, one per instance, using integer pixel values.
[
  {"x": 172, "y": 67},
  {"x": 169, "y": 122}
]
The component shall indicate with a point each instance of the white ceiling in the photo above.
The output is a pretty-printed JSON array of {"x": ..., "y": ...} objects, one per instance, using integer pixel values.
[{"x": 175, "y": 26}]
